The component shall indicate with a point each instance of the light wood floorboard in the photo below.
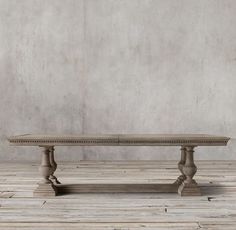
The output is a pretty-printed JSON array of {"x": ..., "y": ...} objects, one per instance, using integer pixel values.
[{"x": 216, "y": 209}]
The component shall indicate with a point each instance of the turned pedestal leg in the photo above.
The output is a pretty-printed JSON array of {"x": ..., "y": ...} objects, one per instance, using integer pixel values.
[
  {"x": 45, "y": 186},
  {"x": 54, "y": 166},
  {"x": 189, "y": 186},
  {"x": 181, "y": 163}
]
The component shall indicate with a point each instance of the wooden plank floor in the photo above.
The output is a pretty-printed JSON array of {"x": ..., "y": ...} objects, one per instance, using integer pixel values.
[{"x": 216, "y": 209}]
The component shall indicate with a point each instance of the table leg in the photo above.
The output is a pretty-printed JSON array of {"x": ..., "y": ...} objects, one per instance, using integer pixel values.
[
  {"x": 54, "y": 166},
  {"x": 189, "y": 187},
  {"x": 45, "y": 186},
  {"x": 181, "y": 163}
]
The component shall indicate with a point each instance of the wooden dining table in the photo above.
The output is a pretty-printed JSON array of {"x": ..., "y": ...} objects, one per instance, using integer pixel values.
[{"x": 185, "y": 185}]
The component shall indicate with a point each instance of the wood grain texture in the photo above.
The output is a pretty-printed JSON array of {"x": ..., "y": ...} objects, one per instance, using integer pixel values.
[{"x": 215, "y": 209}]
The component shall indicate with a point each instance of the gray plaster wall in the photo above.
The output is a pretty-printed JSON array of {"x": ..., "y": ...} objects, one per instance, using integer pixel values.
[{"x": 117, "y": 66}]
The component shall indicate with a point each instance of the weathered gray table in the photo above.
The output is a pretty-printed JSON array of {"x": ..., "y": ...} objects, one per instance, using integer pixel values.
[{"x": 185, "y": 183}]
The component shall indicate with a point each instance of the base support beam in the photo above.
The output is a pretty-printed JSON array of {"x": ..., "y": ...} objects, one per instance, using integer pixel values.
[
  {"x": 45, "y": 190},
  {"x": 187, "y": 189}
]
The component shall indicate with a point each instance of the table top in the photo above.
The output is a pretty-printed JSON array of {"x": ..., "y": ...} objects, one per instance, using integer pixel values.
[{"x": 119, "y": 140}]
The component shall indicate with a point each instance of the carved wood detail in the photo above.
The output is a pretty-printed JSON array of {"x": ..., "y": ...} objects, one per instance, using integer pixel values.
[
  {"x": 45, "y": 186},
  {"x": 181, "y": 164},
  {"x": 189, "y": 186},
  {"x": 53, "y": 163}
]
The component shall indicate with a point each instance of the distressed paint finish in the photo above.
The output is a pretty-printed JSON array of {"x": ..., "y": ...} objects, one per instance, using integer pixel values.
[{"x": 139, "y": 66}]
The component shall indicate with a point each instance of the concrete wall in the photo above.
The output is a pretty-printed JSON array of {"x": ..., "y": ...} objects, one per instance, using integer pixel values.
[{"x": 117, "y": 66}]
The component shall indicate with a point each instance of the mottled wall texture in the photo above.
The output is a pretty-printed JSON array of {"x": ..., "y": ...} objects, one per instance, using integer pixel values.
[{"x": 117, "y": 66}]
